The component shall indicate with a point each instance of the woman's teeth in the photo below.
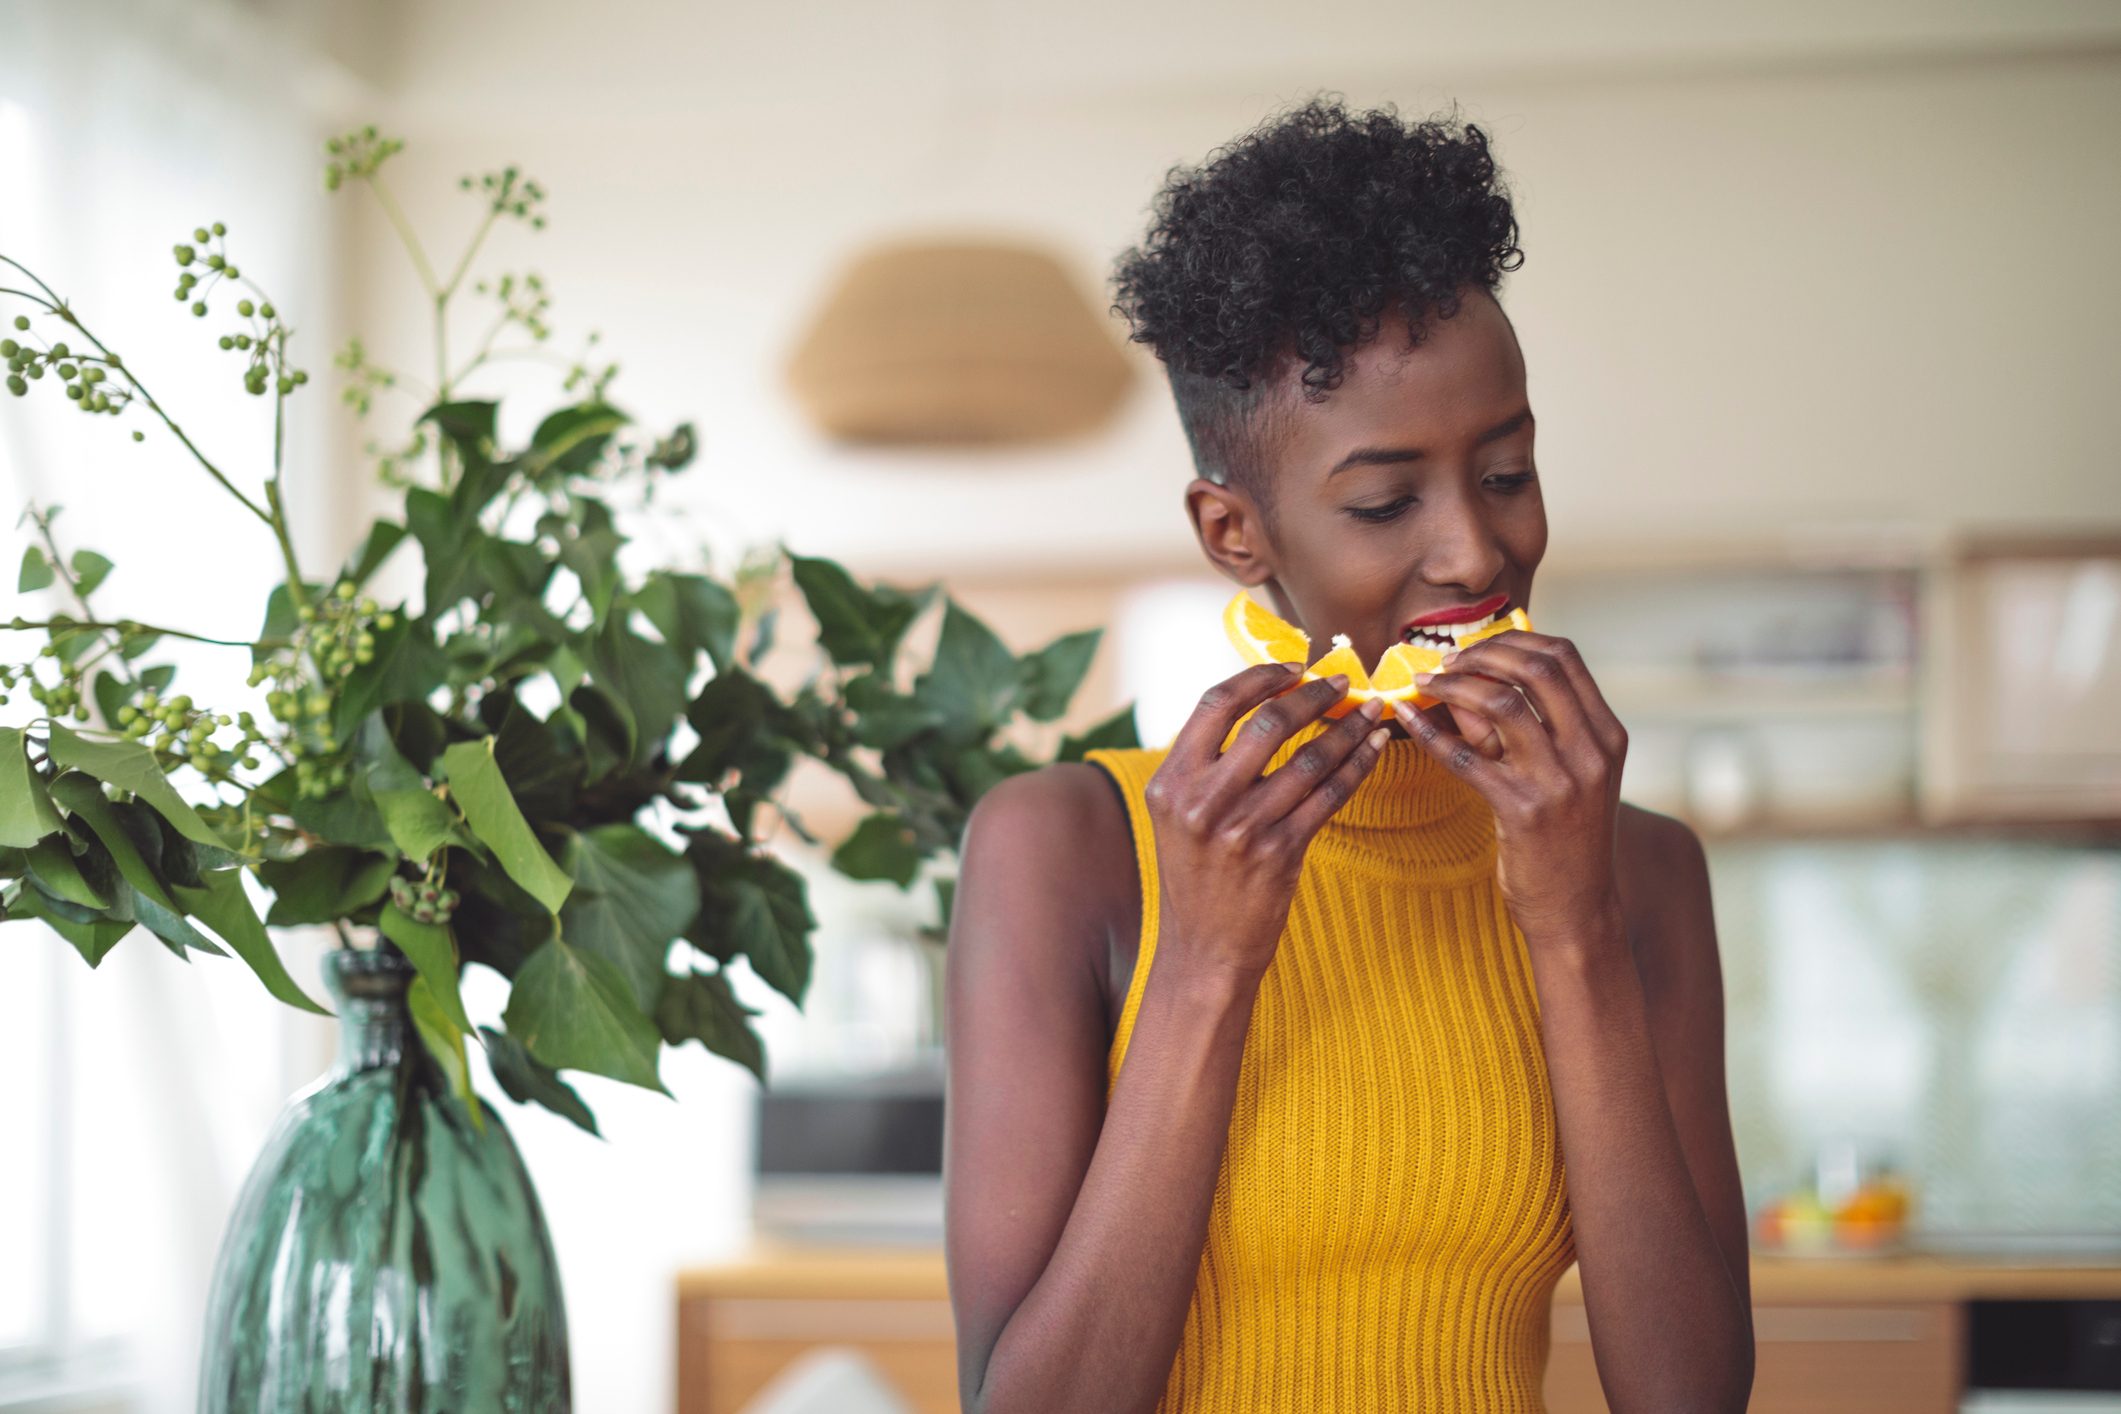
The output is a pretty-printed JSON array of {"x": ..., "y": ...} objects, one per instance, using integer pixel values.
[{"x": 1446, "y": 635}]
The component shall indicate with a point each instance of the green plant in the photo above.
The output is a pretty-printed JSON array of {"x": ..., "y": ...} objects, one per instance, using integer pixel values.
[{"x": 536, "y": 763}]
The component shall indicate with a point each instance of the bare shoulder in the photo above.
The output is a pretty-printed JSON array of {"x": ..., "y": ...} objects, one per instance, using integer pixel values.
[
  {"x": 1060, "y": 834},
  {"x": 1664, "y": 886}
]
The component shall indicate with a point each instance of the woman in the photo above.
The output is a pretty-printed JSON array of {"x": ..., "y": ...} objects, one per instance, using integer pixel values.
[{"x": 1261, "y": 1079}]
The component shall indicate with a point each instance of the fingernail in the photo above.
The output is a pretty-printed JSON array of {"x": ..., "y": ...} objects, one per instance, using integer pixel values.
[
  {"x": 1339, "y": 680},
  {"x": 1421, "y": 679},
  {"x": 1448, "y": 655},
  {"x": 1295, "y": 667},
  {"x": 1371, "y": 709},
  {"x": 1377, "y": 738}
]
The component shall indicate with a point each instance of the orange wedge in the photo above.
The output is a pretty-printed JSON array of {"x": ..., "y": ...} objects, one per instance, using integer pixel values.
[{"x": 1261, "y": 636}]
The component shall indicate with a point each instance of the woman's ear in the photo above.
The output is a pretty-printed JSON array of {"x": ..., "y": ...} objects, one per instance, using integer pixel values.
[{"x": 1231, "y": 531}]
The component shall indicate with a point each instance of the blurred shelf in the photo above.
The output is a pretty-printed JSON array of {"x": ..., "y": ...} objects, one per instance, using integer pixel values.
[{"x": 1679, "y": 693}]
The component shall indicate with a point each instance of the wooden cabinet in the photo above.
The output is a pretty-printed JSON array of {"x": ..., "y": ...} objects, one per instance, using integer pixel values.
[
  {"x": 1868, "y": 1336},
  {"x": 2022, "y": 680}
]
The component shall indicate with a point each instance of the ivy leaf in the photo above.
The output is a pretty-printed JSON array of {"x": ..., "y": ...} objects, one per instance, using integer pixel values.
[
  {"x": 221, "y": 904},
  {"x": 973, "y": 680},
  {"x": 384, "y": 536},
  {"x": 418, "y": 821},
  {"x": 736, "y": 717},
  {"x": 632, "y": 898},
  {"x": 80, "y": 794},
  {"x": 469, "y": 425},
  {"x": 324, "y": 883},
  {"x": 90, "y": 570},
  {"x": 881, "y": 847},
  {"x": 528, "y": 1081},
  {"x": 573, "y": 438},
  {"x": 542, "y": 773},
  {"x": 92, "y": 939},
  {"x": 1048, "y": 678},
  {"x": 52, "y": 864},
  {"x": 36, "y": 571},
  {"x": 172, "y": 927},
  {"x": 573, "y": 1011},
  {"x": 701, "y": 1007},
  {"x": 694, "y": 614},
  {"x": 433, "y": 953},
  {"x": 131, "y": 766},
  {"x": 444, "y": 1040},
  {"x": 883, "y": 717},
  {"x": 1116, "y": 732},
  {"x": 647, "y": 676},
  {"x": 406, "y": 666},
  {"x": 482, "y": 793},
  {"x": 855, "y": 625},
  {"x": 754, "y": 905},
  {"x": 26, "y": 813}
]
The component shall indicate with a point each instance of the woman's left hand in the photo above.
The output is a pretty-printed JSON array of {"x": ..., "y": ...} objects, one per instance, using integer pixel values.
[{"x": 1553, "y": 779}]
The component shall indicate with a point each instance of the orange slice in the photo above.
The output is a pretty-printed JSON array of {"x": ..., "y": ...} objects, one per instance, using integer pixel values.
[{"x": 1261, "y": 636}]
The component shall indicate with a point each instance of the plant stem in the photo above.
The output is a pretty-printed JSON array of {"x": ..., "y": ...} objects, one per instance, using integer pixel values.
[
  {"x": 58, "y": 306},
  {"x": 411, "y": 242},
  {"x": 129, "y": 626}
]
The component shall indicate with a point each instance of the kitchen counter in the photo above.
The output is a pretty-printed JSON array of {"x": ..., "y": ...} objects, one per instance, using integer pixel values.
[
  {"x": 776, "y": 1270},
  {"x": 1835, "y": 1335}
]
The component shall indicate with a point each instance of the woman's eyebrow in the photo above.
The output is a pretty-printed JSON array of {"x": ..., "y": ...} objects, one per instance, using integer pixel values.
[{"x": 1386, "y": 456}]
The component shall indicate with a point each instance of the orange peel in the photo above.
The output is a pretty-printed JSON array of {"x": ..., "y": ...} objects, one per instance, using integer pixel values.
[{"x": 1262, "y": 636}]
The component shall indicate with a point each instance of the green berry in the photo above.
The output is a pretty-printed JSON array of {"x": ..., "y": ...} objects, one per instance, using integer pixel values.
[
  {"x": 198, "y": 307},
  {"x": 22, "y": 321},
  {"x": 9, "y": 348},
  {"x": 215, "y": 262},
  {"x": 265, "y": 311},
  {"x": 58, "y": 350},
  {"x": 245, "y": 308},
  {"x": 201, "y": 235},
  {"x": 227, "y": 342},
  {"x": 16, "y": 386},
  {"x": 138, "y": 435}
]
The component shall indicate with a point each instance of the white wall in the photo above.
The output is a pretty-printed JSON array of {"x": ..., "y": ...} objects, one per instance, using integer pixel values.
[{"x": 1820, "y": 262}]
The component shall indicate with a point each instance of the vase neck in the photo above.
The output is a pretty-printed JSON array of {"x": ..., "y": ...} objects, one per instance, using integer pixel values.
[{"x": 375, "y": 1027}]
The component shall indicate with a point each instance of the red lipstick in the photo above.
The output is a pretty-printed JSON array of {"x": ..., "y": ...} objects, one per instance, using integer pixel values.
[{"x": 1466, "y": 614}]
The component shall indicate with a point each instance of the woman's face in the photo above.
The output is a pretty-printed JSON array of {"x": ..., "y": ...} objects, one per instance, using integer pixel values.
[{"x": 1409, "y": 489}]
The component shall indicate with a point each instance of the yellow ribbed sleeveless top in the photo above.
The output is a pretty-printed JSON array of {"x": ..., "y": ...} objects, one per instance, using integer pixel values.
[{"x": 1392, "y": 1214}]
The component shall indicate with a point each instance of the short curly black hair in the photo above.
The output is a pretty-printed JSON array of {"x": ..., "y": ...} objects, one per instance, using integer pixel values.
[{"x": 1290, "y": 243}]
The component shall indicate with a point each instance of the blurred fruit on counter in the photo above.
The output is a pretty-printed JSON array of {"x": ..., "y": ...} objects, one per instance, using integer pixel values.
[{"x": 1870, "y": 1219}]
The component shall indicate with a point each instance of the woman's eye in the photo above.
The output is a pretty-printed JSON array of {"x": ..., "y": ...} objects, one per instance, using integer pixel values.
[
  {"x": 1381, "y": 513},
  {"x": 1516, "y": 481}
]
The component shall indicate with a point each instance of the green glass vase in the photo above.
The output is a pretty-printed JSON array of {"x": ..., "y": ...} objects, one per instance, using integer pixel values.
[{"x": 385, "y": 1256}]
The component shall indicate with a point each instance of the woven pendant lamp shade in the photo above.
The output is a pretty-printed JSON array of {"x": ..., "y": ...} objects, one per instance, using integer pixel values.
[{"x": 946, "y": 341}]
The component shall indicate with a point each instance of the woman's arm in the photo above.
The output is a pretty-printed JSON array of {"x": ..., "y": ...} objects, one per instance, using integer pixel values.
[
  {"x": 1074, "y": 1232},
  {"x": 1635, "y": 1057}
]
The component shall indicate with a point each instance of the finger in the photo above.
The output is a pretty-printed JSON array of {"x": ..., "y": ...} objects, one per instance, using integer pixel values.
[
  {"x": 1308, "y": 768},
  {"x": 1604, "y": 722},
  {"x": 1263, "y": 731},
  {"x": 1478, "y": 731},
  {"x": 1525, "y": 739},
  {"x": 1324, "y": 799},
  {"x": 1457, "y": 753},
  {"x": 1543, "y": 679},
  {"x": 1201, "y": 738}
]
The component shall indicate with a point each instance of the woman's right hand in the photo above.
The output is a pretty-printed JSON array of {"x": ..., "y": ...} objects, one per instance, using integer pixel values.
[{"x": 1230, "y": 841}]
